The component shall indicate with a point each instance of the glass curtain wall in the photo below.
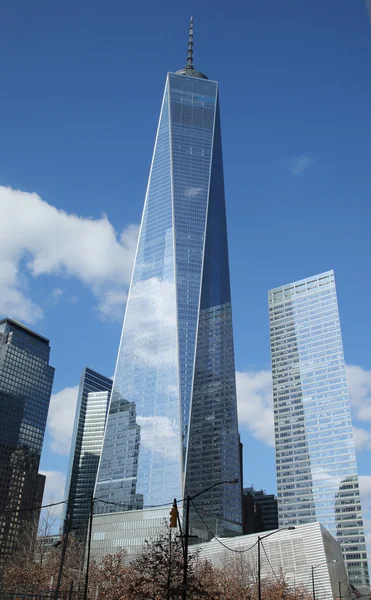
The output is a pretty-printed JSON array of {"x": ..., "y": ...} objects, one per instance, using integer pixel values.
[
  {"x": 317, "y": 476},
  {"x": 175, "y": 367}
]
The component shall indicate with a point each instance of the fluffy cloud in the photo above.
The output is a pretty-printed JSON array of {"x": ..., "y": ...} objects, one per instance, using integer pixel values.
[
  {"x": 298, "y": 164},
  {"x": 359, "y": 382},
  {"x": 38, "y": 239},
  {"x": 61, "y": 419},
  {"x": 53, "y": 492},
  {"x": 362, "y": 438},
  {"x": 365, "y": 489},
  {"x": 255, "y": 404},
  {"x": 158, "y": 434}
]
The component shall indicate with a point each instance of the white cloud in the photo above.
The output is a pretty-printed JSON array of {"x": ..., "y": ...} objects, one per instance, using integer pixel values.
[
  {"x": 152, "y": 311},
  {"x": 359, "y": 384},
  {"x": 362, "y": 438},
  {"x": 298, "y": 164},
  {"x": 158, "y": 434},
  {"x": 56, "y": 295},
  {"x": 365, "y": 489},
  {"x": 38, "y": 239},
  {"x": 61, "y": 418},
  {"x": 193, "y": 192},
  {"x": 54, "y": 492},
  {"x": 255, "y": 404},
  {"x": 112, "y": 304}
]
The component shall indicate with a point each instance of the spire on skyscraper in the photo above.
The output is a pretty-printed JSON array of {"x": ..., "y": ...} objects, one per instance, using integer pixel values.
[
  {"x": 189, "y": 69},
  {"x": 190, "y": 45}
]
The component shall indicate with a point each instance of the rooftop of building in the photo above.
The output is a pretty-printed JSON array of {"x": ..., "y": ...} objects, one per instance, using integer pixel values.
[{"x": 23, "y": 329}]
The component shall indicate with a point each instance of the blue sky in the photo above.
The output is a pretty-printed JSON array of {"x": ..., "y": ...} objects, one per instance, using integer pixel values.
[{"x": 79, "y": 101}]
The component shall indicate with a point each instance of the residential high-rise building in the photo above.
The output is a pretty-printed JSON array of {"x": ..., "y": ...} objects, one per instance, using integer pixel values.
[
  {"x": 86, "y": 446},
  {"x": 172, "y": 425},
  {"x": 317, "y": 476},
  {"x": 26, "y": 380}
]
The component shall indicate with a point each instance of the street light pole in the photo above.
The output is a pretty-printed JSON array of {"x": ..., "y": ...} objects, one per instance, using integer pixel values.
[
  {"x": 313, "y": 587},
  {"x": 186, "y": 532},
  {"x": 260, "y": 538},
  {"x": 339, "y": 590}
]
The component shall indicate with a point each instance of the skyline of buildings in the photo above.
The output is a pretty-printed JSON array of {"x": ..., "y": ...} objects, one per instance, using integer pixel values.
[
  {"x": 86, "y": 445},
  {"x": 177, "y": 351},
  {"x": 26, "y": 380},
  {"x": 317, "y": 478},
  {"x": 174, "y": 390}
]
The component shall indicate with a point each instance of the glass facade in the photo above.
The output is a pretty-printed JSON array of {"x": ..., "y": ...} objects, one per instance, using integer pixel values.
[
  {"x": 317, "y": 476},
  {"x": 26, "y": 381},
  {"x": 86, "y": 446},
  {"x": 172, "y": 424}
]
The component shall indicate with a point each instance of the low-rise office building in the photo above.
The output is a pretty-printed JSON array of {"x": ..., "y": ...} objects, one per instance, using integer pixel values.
[{"x": 308, "y": 557}]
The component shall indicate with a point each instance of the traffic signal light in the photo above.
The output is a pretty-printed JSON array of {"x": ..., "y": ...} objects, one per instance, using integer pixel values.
[{"x": 174, "y": 516}]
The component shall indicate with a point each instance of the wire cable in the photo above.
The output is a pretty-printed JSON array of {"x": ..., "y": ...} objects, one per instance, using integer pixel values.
[
  {"x": 218, "y": 540},
  {"x": 126, "y": 505},
  {"x": 34, "y": 508},
  {"x": 79, "y": 496}
]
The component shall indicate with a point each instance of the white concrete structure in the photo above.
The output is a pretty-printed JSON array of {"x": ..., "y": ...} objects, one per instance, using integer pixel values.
[
  {"x": 127, "y": 531},
  {"x": 292, "y": 553}
]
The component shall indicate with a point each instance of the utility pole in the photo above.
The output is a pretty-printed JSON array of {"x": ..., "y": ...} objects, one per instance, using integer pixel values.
[{"x": 89, "y": 544}]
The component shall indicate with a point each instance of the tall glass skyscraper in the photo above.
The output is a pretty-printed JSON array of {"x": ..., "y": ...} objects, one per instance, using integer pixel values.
[
  {"x": 86, "y": 446},
  {"x": 26, "y": 380},
  {"x": 317, "y": 476},
  {"x": 172, "y": 424}
]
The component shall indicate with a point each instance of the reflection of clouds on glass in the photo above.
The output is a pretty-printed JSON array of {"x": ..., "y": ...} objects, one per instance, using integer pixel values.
[
  {"x": 151, "y": 322},
  {"x": 320, "y": 474},
  {"x": 193, "y": 192},
  {"x": 158, "y": 434}
]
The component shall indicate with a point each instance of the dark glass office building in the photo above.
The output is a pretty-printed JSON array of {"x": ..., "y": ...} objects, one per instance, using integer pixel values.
[
  {"x": 260, "y": 511},
  {"x": 172, "y": 425},
  {"x": 86, "y": 445},
  {"x": 26, "y": 380}
]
